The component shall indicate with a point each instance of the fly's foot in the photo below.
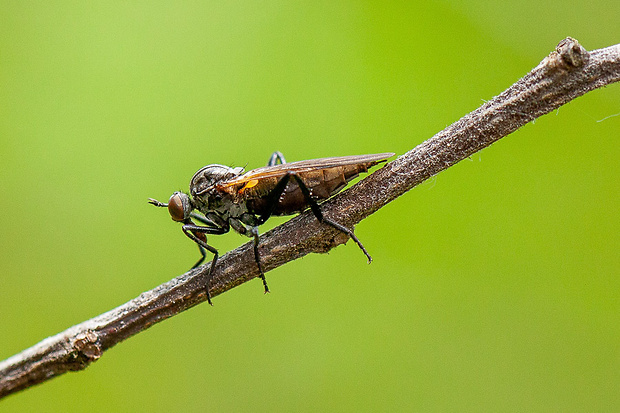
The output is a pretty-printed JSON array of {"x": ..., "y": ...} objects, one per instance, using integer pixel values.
[
  {"x": 262, "y": 277},
  {"x": 349, "y": 232},
  {"x": 359, "y": 244},
  {"x": 208, "y": 294}
]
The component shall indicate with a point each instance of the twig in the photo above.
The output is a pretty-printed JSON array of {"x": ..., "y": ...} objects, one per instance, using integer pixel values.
[{"x": 568, "y": 72}]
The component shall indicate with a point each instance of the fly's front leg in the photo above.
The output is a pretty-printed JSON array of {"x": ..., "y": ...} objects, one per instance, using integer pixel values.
[
  {"x": 214, "y": 225},
  {"x": 316, "y": 209},
  {"x": 198, "y": 234},
  {"x": 203, "y": 255}
]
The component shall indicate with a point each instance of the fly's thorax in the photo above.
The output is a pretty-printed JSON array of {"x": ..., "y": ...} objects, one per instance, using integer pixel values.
[
  {"x": 201, "y": 203},
  {"x": 204, "y": 187},
  {"x": 220, "y": 202},
  {"x": 205, "y": 180},
  {"x": 233, "y": 210}
]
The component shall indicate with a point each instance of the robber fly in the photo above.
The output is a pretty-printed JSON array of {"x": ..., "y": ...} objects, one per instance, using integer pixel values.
[{"x": 227, "y": 197}]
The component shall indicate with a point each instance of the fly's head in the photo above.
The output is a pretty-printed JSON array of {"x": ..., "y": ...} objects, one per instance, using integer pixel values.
[
  {"x": 180, "y": 206},
  {"x": 203, "y": 187}
]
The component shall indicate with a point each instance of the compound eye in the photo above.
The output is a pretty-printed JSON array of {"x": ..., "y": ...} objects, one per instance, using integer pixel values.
[{"x": 176, "y": 207}]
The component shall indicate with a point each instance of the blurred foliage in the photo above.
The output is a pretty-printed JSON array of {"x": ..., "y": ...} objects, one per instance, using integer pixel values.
[{"x": 495, "y": 285}]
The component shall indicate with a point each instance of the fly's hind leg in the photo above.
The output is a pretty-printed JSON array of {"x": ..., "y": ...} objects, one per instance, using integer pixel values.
[
  {"x": 316, "y": 209},
  {"x": 275, "y": 157}
]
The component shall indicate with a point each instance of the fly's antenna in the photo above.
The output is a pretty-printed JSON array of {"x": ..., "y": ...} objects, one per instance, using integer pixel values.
[{"x": 157, "y": 203}]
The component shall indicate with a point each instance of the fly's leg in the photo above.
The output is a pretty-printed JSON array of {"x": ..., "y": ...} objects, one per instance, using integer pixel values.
[
  {"x": 203, "y": 253},
  {"x": 218, "y": 226},
  {"x": 254, "y": 232},
  {"x": 272, "y": 201},
  {"x": 316, "y": 209},
  {"x": 274, "y": 196},
  {"x": 198, "y": 234},
  {"x": 275, "y": 157},
  {"x": 203, "y": 256}
]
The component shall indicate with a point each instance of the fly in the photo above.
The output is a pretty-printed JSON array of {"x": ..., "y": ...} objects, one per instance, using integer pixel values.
[{"x": 227, "y": 197}]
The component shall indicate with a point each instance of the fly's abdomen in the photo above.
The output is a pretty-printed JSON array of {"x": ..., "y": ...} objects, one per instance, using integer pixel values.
[{"x": 321, "y": 183}]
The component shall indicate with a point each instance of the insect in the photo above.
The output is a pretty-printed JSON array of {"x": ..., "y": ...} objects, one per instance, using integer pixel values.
[{"x": 227, "y": 197}]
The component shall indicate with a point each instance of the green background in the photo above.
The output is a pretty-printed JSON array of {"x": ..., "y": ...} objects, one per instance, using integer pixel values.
[{"x": 495, "y": 285}]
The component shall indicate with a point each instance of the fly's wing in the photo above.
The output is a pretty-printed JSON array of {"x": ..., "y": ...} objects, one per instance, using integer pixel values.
[{"x": 323, "y": 177}]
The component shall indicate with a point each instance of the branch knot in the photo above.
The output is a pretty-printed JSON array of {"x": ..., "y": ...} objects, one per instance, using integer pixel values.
[
  {"x": 568, "y": 54},
  {"x": 84, "y": 350}
]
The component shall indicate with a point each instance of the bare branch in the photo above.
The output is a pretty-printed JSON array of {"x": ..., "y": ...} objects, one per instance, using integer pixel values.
[{"x": 568, "y": 72}]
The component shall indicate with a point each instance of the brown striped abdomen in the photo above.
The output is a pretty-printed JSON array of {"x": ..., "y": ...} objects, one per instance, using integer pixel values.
[{"x": 322, "y": 184}]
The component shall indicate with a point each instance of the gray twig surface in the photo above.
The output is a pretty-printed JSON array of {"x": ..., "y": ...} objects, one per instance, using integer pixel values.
[{"x": 568, "y": 72}]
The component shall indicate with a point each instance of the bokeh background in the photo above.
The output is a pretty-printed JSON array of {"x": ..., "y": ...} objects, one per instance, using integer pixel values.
[{"x": 495, "y": 285}]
